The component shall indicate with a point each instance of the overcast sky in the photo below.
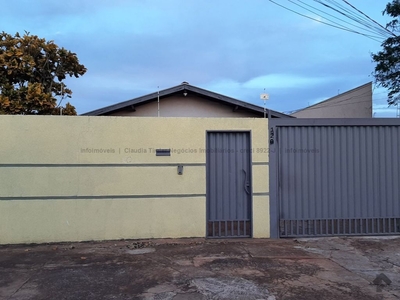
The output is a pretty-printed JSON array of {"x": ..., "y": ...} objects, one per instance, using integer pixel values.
[{"x": 236, "y": 48}]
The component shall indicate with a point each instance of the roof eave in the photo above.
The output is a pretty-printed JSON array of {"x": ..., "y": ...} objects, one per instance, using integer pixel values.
[{"x": 178, "y": 88}]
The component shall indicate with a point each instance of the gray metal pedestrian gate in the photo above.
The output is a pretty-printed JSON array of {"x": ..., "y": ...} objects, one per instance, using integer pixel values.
[
  {"x": 229, "y": 192},
  {"x": 334, "y": 177}
]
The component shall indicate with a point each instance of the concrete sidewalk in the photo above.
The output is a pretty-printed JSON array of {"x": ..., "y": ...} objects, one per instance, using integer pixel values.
[{"x": 325, "y": 268}]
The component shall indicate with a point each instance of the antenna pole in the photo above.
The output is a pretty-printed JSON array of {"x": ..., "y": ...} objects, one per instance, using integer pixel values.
[
  {"x": 265, "y": 110},
  {"x": 265, "y": 97},
  {"x": 158, "y": 101}
]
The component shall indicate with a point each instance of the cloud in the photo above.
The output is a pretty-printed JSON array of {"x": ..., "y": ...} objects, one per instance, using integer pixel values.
[{"x": 284, "y": 81}]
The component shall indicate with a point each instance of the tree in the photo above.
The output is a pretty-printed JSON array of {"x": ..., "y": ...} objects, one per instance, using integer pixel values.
[
  {"x": 387, "y": 69},
  {"x": 32, "y": 71}
]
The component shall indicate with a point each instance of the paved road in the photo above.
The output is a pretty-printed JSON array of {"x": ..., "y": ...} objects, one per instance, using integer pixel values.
[{"x": 328, "y": 268}]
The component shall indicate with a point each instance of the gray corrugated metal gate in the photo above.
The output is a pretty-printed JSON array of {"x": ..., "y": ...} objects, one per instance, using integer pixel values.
[
  {"x": 334, "y": 177},
  {"x": 228, "y": 184}
]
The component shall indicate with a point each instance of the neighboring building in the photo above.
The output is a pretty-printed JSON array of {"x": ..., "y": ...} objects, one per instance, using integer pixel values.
[
  {"x": 185, "y": 100},
  {"x": 356, "y": 103}
]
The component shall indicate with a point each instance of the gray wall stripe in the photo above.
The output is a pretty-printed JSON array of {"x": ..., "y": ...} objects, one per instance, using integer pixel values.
[
  {"x": 99, "y": 165},
  {"x": 111, "y": 197},
  {"x": 260, "y": 163},
  {"x": 111, "y": 165},
  {"x": 100, "y": 197}
]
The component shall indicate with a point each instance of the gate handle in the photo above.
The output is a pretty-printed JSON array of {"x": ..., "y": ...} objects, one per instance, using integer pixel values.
[{"x": 246, "y": 183}]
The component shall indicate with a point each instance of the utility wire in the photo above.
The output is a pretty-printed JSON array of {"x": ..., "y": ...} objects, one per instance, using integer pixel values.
[
  {"x": 361, "y": 19},
  {"x": 369, "y": 17},
  {"x": 354, "y": 18},
  {"x": 366, "y": 26},
  {"x": 344, "y": 21},
  {"x": 339, "y": 27},
  {"x": 326, "y": 5}
]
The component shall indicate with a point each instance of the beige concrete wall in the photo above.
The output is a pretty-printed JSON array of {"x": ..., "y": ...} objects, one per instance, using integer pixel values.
[
  {"x": 98, "y": 178},
  {"x": 356, "y": 103},
  {"x": 189, "y": 106}
]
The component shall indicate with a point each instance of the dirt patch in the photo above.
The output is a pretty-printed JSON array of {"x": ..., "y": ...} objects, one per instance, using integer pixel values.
[
  {"x": 230, "y": 288},
  {"x": 273, "y": 270},
  {"x": 330, "y": 292}
]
